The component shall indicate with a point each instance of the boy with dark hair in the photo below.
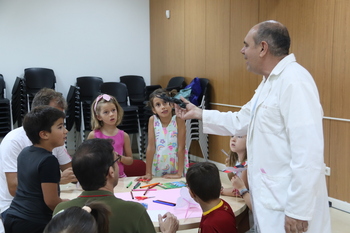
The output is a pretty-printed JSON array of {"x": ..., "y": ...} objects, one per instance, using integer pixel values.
[
  {"x": 204, "y": 185},
  {"x": 38, "y": 172},
  {"x": 16, "y": 140}
]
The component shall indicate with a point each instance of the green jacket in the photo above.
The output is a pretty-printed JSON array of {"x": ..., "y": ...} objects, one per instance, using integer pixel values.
[{"x": 127, "y": 216}]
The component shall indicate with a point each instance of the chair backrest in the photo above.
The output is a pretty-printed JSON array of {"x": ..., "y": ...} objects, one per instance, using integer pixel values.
[
  {"x": 37, "y": 78},
  {"x": 2, "y": 86},
  {"x": 19, "y": 101},
  {"x": 89, "y": 87},
  {"x": 137, "y": 168},
  {"x": 116, "y": 89},
  {"x": 177, "y": 83},
  {"x": 73, "y": 113},
  {"x": 136, "y": 87},
  {"x": 149, "y": 89}
]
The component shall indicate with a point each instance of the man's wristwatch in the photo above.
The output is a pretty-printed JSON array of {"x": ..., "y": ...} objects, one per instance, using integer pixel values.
[{"x": 243, "y": 191}]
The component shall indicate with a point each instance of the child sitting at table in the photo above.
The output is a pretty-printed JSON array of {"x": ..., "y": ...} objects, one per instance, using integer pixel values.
[
  {"x": 38, "y": 172},
  {"x": 204, "y": 185},
  {"x": 237, "y": 158}
]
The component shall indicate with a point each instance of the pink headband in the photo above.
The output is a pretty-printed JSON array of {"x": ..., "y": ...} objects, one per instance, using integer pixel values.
[{"x": 104, "y": 96}]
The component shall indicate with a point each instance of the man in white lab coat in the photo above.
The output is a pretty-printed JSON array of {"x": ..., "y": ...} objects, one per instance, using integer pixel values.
[{"x": 283, "y": 124}]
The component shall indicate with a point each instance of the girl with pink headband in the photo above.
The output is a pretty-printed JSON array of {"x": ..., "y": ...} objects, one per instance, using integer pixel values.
[{"x": 106, "y": 115}]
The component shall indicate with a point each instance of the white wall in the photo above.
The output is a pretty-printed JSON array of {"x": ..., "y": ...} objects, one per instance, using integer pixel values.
[{"x": 105, "y": 38}]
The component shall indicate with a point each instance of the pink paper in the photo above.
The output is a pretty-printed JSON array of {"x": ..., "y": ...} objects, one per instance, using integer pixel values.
[{"x": 169, "y": 195}]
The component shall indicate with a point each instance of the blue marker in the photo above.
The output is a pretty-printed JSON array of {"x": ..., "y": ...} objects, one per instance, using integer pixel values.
[{"x": 164, "y": 202}]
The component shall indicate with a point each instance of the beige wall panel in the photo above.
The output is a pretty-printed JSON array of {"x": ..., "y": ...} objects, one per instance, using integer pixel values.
[
  {"x": 341, "y": 60},
  {"x": 339, "y": 181},
  {"x": 241, "y": 82},
  {"x": 310, "y": 24},
  {"x": 194, "y": 39},
  {"x": 167, "y": 40},
  {"x": 157, "y": 40},
  {"x": 217, "y": 47}
]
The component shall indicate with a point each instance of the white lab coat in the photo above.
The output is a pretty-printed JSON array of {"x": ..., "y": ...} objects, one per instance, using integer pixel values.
[{"x": 283, "y": 123}]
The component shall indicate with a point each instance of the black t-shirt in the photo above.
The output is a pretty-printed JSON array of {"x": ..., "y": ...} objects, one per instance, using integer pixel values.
[{"x": 34, "y": 166}]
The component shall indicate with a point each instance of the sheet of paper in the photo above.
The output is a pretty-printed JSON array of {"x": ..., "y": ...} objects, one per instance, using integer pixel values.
[
  {"x": 169, "y": 195},
  {"x": 154, "y": 214}
]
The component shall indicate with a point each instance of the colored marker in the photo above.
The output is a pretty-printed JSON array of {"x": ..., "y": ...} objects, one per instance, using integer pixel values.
[
  {"x": 129, "y": 184},
  {"x": 132, "y": 196},
  {"x": 137, "y": 185},
  {"x": 144, "y": 190},
  {"x": 164, "y": 202},
  {"x": 148, "y": 185}
]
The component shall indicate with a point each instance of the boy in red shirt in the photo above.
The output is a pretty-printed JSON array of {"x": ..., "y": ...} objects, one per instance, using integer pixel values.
[{"x": 204, "y": 185}]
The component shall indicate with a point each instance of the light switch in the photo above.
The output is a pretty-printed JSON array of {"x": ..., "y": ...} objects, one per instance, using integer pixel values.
[{"x": 167, "y": 14}]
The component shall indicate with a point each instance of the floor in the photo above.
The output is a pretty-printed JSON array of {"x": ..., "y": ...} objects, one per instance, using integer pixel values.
[{"x": 340, "y": 222}]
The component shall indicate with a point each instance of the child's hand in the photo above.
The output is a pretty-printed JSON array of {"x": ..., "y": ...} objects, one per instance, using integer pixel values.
[
  {"x": 170, "y": 224},
  {"x": 230, "y": 192},
  {"x": 237, "y": 182},
  {"x": 68, "y": 176},
  {"x": 172, "y": 176},
  {"x": 146, "y": 177}
]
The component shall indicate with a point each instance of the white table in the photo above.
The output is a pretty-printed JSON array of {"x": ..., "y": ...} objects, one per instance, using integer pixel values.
[{"x": 237, "y": 204}]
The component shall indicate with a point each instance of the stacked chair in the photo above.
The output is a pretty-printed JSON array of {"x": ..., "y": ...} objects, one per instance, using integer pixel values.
[
  {"x": 24, "y": 90},
  {"x": 18, "y": 102},
  {"x": 5, "y": 110},
  {"x": 130, "y": 123},
  {"x": 73, "y": 114},
  {"x": 136, "y": 86},
  {"x": 176, "y": 83},
  {"x": 89, "y": 89},
  {"x": 194, "y": 128},
  {"x": 35, "y": 79},
  {"x": 147, "y": 113}
]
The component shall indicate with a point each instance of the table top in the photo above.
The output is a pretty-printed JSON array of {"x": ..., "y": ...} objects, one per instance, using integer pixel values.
[{"x": 70, "y": 191}]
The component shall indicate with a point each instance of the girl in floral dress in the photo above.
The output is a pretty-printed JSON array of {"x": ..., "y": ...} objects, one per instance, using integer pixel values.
[{"x": 166, "y": 153}]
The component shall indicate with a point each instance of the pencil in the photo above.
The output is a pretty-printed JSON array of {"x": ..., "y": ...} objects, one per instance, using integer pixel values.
[{"x": 132, "y": 196}]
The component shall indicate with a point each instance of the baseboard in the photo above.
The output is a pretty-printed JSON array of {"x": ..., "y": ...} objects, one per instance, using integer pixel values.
[{"x": 338, "y": 204}]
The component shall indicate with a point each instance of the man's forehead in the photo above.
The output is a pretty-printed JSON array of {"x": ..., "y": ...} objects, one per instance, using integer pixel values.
[
  {"x": 53, "y": 103},
  {"x": 250, "y": 36}
]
